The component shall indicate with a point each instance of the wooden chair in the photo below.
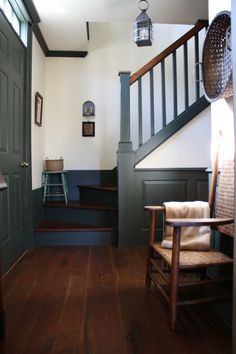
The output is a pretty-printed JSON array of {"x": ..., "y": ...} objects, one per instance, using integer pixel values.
[{"x": 175, "y": 271}]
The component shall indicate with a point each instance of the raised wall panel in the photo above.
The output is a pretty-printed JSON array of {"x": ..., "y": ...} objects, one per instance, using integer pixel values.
[
  {"x": 4, "y": 216},
  {"x": 155, "y": 192},
  {"x": 4, "y": 45},
  {"x": 155, "y": 186},
  {"x": 17, "y": 62},
  {"x": 3, "y": 111},
  {"x": 16, "y": 119},
  {"x": 18, "y": 195},
  {"x": 202, "y": 189}
]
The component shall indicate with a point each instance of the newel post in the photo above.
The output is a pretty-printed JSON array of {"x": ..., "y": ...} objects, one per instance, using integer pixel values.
[
  {"x": 125, "y": 168},
  {"x": 124, "y": 107}
]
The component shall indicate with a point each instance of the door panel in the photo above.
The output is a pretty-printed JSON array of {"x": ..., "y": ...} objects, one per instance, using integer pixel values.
[
  {"x": 12, "y": 144},
  {"x": 3, "y": 111}
]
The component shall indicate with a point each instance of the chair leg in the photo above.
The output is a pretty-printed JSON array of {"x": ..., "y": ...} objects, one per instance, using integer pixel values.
[
  {"x": 149, "y": 269},
  {"x": 173, "y": 301},
  {"x": 174, "y": 278},
  {"x": 150, "y": 250}
]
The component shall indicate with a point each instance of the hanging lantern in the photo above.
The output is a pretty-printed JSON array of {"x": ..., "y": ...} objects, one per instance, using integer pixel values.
[{"x": 143, "y": 29}]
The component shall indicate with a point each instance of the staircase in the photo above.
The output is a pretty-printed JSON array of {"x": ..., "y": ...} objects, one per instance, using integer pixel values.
[
  {"x": 90, "y": 221},
  {"x": 150, "y": 114},
  {"x": 156, "y": 102}
]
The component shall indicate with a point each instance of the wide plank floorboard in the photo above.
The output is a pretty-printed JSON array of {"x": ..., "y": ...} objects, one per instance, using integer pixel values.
[{"x": 92, "y": 300}]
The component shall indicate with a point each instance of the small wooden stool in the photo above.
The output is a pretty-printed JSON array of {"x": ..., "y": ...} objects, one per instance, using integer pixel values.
[{"x": 61, "y": 184}]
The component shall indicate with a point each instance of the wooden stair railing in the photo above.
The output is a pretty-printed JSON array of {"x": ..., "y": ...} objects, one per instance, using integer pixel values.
[
  {"x": 145, "y": 125},
  {"x": 170, "y": 105},
  {"x": 200, "y": 24}
]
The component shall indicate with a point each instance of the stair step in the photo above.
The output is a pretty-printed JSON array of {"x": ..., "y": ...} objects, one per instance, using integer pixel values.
[
  {"x": 78, "y": 205},
  {"x": 60, "y": 226},
  {"x": 60, "y": 233},
  {"x": 101, "y": 188},
  {"x": 92, "y": 220},
  {"x": 102, "y": 195}
]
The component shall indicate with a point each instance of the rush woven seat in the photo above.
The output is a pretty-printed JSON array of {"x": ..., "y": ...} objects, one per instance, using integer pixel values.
[
  {"x": 173, "y": 270},
  {"x": 193, "y": 259}
]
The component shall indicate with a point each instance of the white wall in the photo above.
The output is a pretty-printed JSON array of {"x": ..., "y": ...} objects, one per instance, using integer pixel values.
[
  {"x": 66, "y": 83},
  {"x": 71, "y": 81},
  {"x": 190, "y": 147},
  {"x": 37, "y": 133}
]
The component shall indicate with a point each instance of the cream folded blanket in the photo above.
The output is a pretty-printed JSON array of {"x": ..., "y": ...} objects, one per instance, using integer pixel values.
[{"x": 192, "y": 238}]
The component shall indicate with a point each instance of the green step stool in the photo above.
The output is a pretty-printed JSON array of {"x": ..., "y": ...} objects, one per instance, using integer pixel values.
[{"x": 62, "y": 185}]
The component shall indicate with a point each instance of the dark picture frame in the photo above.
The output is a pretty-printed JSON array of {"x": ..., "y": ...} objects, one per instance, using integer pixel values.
[
  {"x": 38, "y": 109},
  {"x": 88, "y": 128}
]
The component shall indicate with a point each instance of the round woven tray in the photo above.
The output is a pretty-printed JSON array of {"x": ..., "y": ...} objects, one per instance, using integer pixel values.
[{"x": 217, "y": 58}]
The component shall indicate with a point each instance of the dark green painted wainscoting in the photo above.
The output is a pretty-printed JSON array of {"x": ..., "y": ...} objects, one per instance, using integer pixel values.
[
  {"x": 37, "y": 205},
  {"x": 153, "y": 187},
  {"x": 149, "y": 186}
]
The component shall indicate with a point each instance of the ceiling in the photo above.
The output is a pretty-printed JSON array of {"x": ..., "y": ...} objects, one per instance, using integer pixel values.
[{"x": 63, "y": 22}]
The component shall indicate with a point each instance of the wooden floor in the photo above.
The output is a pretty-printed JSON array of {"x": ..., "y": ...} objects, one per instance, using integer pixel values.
[{"x": 91, "y": 300}]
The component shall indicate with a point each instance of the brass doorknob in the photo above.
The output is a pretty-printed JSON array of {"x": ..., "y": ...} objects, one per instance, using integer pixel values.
[{"x": 24, "y": 164}]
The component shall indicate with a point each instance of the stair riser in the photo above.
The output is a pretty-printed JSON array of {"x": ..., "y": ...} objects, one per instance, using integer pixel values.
[
  {"x": 84, "y": 216},
  {"x": 75, "y": 238},
  {"x": 98, "y": 197}
]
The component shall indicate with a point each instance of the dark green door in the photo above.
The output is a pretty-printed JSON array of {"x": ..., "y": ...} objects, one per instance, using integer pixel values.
[{"x": 13, "y": 201}]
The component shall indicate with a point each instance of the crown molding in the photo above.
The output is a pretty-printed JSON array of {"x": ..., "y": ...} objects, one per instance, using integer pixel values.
[
  {"x": 67, "y": 53},
  {"x": 35, "y": 19}
]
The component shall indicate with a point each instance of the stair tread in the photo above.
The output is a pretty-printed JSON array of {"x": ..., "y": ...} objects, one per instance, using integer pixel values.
[
  {"x": 78, "y": 205},
  {"x": 49, "y": 225},
  {"x": 98, "y": 187}
]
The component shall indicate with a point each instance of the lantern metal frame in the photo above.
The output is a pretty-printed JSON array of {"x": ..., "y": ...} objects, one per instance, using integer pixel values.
[{"x": 143, "y": 28}]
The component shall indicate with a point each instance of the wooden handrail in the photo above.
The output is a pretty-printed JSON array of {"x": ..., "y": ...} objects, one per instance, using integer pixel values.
[{"x": 200, "y": 24}]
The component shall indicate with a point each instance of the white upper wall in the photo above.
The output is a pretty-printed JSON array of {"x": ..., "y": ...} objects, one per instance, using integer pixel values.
[
  {"x": 190, "y": 147},
  {"x": 72, "y": 81},
  {"x": 37, "y": 133},
  {"x": 66, "y": 83}
]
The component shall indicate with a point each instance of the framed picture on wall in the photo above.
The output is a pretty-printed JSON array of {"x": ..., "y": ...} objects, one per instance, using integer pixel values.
[
  {"x": 38, "y": 109},
  {"x": 88, "y": 128}
]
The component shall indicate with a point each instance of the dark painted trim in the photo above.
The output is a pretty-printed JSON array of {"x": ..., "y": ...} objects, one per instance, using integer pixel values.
[
  {"x": 175, "y": 125},
  {"x": 35, "y": 19},
  {"x": 66, "y": 54},
  {"x": 38, "y": 34},
  {"x": 37, "y": 206},
  {"x": 28, "y": 156},
  {"x": 31, "y": 9},
  {"x": 88, "y": 33},
  {"x": 55, "y": 53},
  {"x": 40, "y": 39}
]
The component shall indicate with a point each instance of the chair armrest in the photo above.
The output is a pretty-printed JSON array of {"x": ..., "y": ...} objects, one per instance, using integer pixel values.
[
  {"x": 198, "y": 222},
  {"x": 154, "y": 208}
]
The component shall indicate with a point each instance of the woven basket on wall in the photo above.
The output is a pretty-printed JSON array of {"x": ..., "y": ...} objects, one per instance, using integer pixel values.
[{"x": 217, "y": 58}]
